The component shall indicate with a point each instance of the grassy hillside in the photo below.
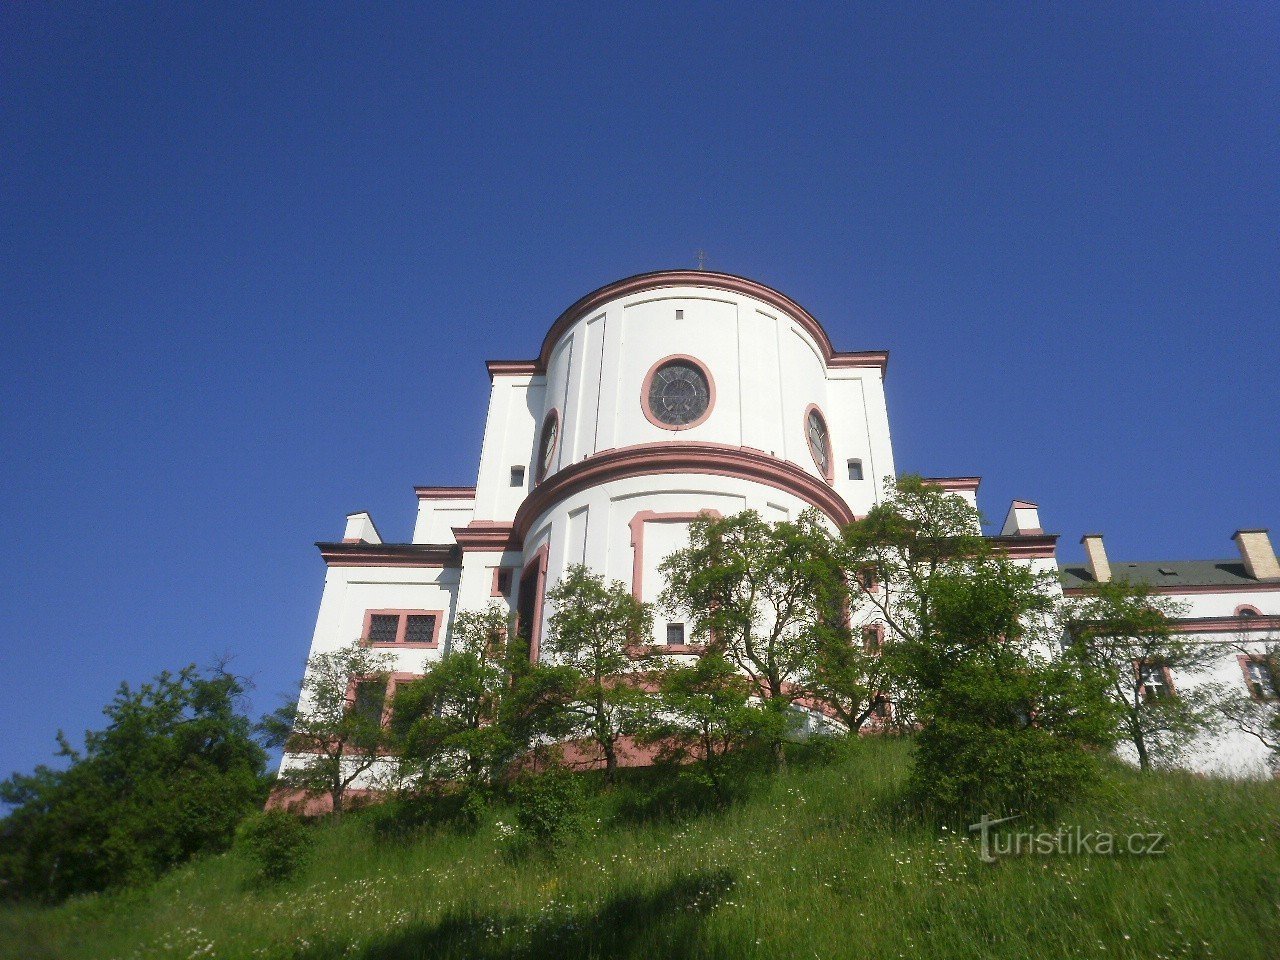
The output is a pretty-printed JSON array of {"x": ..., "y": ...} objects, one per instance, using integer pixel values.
[{"x": 821, "y": 862}]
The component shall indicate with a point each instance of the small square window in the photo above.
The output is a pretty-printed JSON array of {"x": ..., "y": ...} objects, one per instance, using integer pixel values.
[
  {"x": 679, "y": 314},
  {"x": 383, "y": 627},
  {"x": 855, "y": 469},
  {"x": 517, "y": 476},
  {"x": 420, "y": 628},
  {"x": 675, "y": 634}
]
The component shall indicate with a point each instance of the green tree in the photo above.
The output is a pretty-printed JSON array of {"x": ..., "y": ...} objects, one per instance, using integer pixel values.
[
  {"x": 1256, "y": 709},
  {"x": 335, "y": 731},
  {"x": 758, "y": 593},
  {"x": 479, "y": 708},
  {"x": 168, "y": 778},
  {"x": 594, "y": 630},
  {"x": 1124, "y": 630},
  {"x": 705, "y": 712},
  {"x": 972, "y": 651}
]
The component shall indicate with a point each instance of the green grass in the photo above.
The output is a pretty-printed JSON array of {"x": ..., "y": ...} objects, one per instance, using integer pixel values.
[{"x": 820, "y": 862}]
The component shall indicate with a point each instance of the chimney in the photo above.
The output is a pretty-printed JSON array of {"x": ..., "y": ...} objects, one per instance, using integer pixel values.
[
  {"x": 1257, "y": 553},
  {"x": 1023, "y": 519},
  {"x": 1096, "y": 555},
  {"x": 360, "y": 529}
]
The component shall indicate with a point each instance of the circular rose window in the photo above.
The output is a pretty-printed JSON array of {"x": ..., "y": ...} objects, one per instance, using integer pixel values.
[
  {"x": 677, "y": 393},
  {"x": 547, "y": 445},
  {"x": 815, "y": 429}
]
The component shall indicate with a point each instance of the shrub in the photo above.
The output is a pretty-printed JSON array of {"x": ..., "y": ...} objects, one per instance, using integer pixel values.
[
  {"x": 549, "y": 809},
  {"x": 275, "y": 843}
]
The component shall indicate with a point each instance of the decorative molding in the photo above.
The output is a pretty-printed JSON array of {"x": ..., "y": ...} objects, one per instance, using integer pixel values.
[
  {"x": 485, "y": 536},
  {"x": 636, "y": 526},
  {"x": 868, "y": 359},
  {"x": 955, "y": 484},
  {"x": 681, "y": 457},
  {"x": 445, "y": 493},
  {"x": 648, "y": 382},
  {"x": 390, "y": 554},
  {"x": 1026, "y": 546},
  {"x": 1236, "y": 624}
]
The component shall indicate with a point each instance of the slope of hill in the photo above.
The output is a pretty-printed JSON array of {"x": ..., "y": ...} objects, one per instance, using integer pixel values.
[{"x": 820, "y": 862}]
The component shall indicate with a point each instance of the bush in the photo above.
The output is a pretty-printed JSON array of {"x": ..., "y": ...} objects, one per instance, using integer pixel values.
[
  {"x": 275, "y": 843},
  {"x": 549, "y": 809}
]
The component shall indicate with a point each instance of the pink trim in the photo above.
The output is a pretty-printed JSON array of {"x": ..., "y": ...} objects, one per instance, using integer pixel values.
[
  {"x": 543, "y": 468},
  {"x": 495, "y": 589},
  {"x": 445, "y": 493},
  {"x": 875, "y": 630},
  {"x": 830, "y": 472},
  {"x": 485, "y": 536},
  {"x": 1025, "y": 505},
  {"x": 512, "y": 368},
  {"x": 648, "y": 459},
  {"x": 648, "y": 381},
  {"x": 701, "y": 278},
  {"x": 1026, "y": 546},
  {"x": 1165, "y": 672},
  {"x": 1247, "y": 610},
  {"x": 637, "y": 540},
  {"x": 385, "y": 555},
  {"x": 955, "y": 484},
  {"x": 400, "y": 643},
  {"x": 1256, "y": 586},
  {"x": 1235, "y": 624},
  {"x": 539, "y": 560},
  {"x": 859, "y": 359}
]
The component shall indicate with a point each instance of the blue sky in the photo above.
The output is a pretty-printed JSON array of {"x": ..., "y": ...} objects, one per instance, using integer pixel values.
[{"x": 255, "y": 256}]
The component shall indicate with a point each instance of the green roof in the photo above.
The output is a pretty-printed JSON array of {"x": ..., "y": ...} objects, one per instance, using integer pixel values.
[{"x": 1168, "y": 573}]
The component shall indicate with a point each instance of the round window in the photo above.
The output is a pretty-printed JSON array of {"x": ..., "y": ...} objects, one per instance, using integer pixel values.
[
  {"x": 815, "y": 429},
  {"x": 547, "y": 445},
  {"x": 679, "y": 394}
]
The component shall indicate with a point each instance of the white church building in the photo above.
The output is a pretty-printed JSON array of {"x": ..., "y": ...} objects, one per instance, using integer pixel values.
[{"x": 662, "y": 395}]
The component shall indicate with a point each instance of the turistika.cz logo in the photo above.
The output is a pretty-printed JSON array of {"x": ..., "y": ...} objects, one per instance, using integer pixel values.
[{"x": 1065, "y": 841}]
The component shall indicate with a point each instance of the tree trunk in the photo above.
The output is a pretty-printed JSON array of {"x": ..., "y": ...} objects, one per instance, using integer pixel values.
[
  {"x": 610, "y": 763},
  {"x": 1139, "y": 743}
]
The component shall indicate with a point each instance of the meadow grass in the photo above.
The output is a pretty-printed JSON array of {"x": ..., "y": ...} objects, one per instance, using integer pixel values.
[{"x": 823, "y": 861}]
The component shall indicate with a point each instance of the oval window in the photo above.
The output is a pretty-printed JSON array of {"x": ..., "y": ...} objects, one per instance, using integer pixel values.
[
  {"x": 547, "y": 445},
  {"x": 815, "y": 429}
]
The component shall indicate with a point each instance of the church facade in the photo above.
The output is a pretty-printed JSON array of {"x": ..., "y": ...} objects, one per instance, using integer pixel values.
[{"x": 655, "y": 398}]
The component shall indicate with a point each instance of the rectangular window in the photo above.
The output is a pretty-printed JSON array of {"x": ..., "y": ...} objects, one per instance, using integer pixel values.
[
  {"x": 1156, "y": 682},
  {"x": 401, "y": 719},
  {"x": 383, "y": 627},
  {"x": 872, "y": 639},
  {"x": 675, "y": 634},
  {"x": 679, "y": 314},
  {"x": 1262, "y": 682},
  {"x": 369, "y": 700},
  {"x": 855, "y": 469},
  {"x": 866, "y": 578},
  {"x": 419, "y": 627},
  {"x": 391, "y": 628},
  {"x": 883, "y": 708},
  {"x": 517, "y": 476}
]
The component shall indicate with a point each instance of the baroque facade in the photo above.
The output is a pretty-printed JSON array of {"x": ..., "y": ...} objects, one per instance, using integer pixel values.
[{"x": 655, "y": 398}]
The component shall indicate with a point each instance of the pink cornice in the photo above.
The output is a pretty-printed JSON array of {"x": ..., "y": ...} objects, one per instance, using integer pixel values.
[
  {"x": 954, "y": 484},
  {"x": 872, "y": 359},
  {"x": 485, "y": 537},
  {"x": 512, "y": 368},
  {"x": 445, "y": 493},
  {"x": 1025, "y": 505},
  {"x": 1224, "y": 624},
  {"x": 1026, "y": 546},
  {"x": 637, "y": 540},
  {"x": 677, "y": 457},
  {"x": 1245, "y": 586},
  {"x": 389, "y": 555}
]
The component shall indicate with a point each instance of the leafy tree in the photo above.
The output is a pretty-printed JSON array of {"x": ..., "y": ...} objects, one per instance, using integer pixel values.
[
  {"x": 705, "y": 712},
  {"x": 480, "y": 707},
  {"x": 971, "y": 651},
  {"x": 1123, "y": 630},
  {"x": 1256, "y": 711},
  {"x": 593, "y": 630},
  {"x": 275, "y": 843},
  {"x": 758, "y": 592},
  {"x": 168, "y": 778},
  {"x": 335, "y": 731}
]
